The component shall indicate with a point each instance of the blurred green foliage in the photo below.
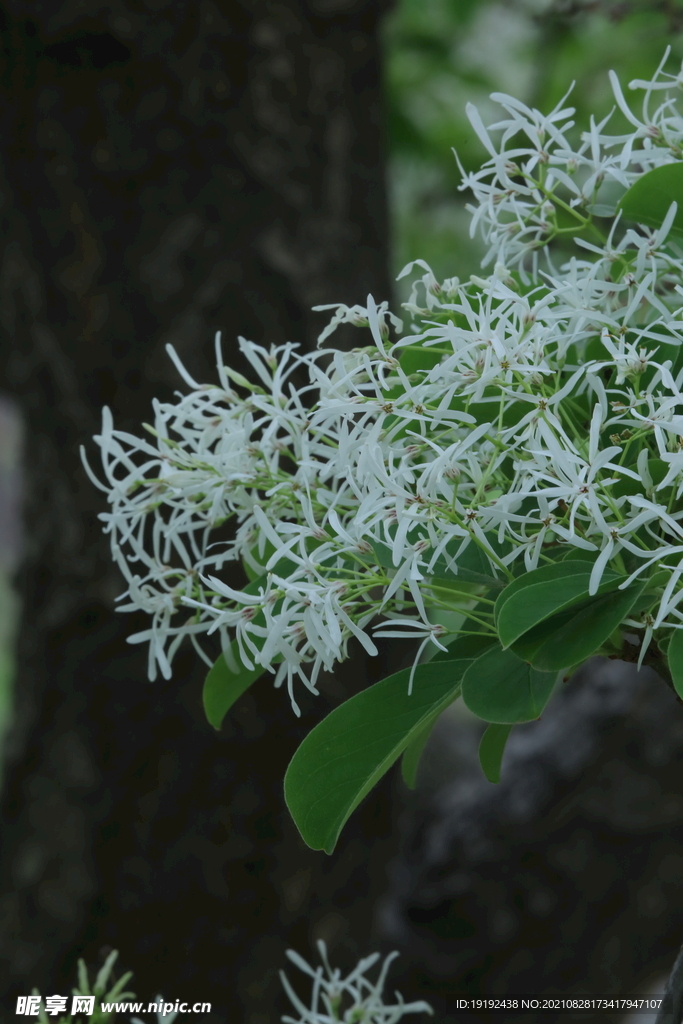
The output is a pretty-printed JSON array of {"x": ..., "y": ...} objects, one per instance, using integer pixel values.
[{"x": 442, "y": 54}]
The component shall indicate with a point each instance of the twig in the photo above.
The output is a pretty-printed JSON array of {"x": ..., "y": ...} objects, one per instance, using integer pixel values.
[{"x": 653, "y": 659}]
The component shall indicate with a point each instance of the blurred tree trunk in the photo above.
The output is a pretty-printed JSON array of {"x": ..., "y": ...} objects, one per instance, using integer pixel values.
[
  {"x": 166, "y": 170},
  {"x": 566, "y": 878}
]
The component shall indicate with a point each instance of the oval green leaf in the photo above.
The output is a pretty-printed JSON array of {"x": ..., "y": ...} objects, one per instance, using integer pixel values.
[
  {"x": 674, "y": 656},
  {"x": 469, "y": 647},
  {"x": 491, "y": 750},
  {"x": 413, "y": 752},
  {"x": 472, "y": 566},
  {"x": 414, "y": 358},
  {"x": 499, "y": 687},
  {"x": 347, "y": 753},
  {"x": 223, "y": 687},
  {"x": 649, "y": 198},
  {"x": 578, "y": 633},
  {"x": 537, "y": 595}
]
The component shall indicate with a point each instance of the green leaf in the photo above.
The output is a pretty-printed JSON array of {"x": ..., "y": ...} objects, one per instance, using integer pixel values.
[
  {"x": 473, "y": 565},
  {"x": 466, "y": 646},
  {"x": 284, "y": 568},
  {"x": 454, "y": 594},
  {"x": 250, "y": 573},
  {"x": 567, "y": 552},
  {"x": 413, "y": 752},
  {"x": 491, "y": 750},
  {"x": 578, "y": 633},
  {"x": 627, "y": 485},
  {"x": 416, "y": 357},
  {"x": 500, "y": 687},
  {"x": 649, "y": 198},
  {"x": 643, "y": 604},
  {"x": 543, "y": 592},
  {"x": 663, "y": 645},
  {"x": 595, "y": 350},
  {"x": 222, "y": 687},
  {"x": 347, "y": 753},
  {"x": 675, "y": 658}
]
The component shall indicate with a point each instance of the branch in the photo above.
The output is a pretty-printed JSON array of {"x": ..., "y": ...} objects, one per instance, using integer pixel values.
[{"x": 653, "y": 659}]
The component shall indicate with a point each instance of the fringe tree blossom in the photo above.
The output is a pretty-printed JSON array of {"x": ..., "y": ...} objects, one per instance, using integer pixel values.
[
  {"x": 364, "y": 1003},
  {"x": 534, "y": 409}
]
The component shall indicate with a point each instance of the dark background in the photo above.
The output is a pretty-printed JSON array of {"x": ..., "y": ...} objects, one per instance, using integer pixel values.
[{"x": 168, "y": 170}]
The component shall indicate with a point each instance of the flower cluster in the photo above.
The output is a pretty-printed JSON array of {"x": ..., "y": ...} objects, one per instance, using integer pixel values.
[
  {"x": 543, "y": 187},
  {"x": 328, "y": 996},
  {"x": 331, "y": 992},
  {"x": 534, "y": 409}
]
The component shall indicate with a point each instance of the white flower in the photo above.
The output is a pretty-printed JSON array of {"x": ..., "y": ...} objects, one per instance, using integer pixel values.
[
  {"x": 360, "y": 316},
  {"x": 534, "y": 407},
  {"x": 427, "y": 632},
  {"x": 355, "y": 996}
]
